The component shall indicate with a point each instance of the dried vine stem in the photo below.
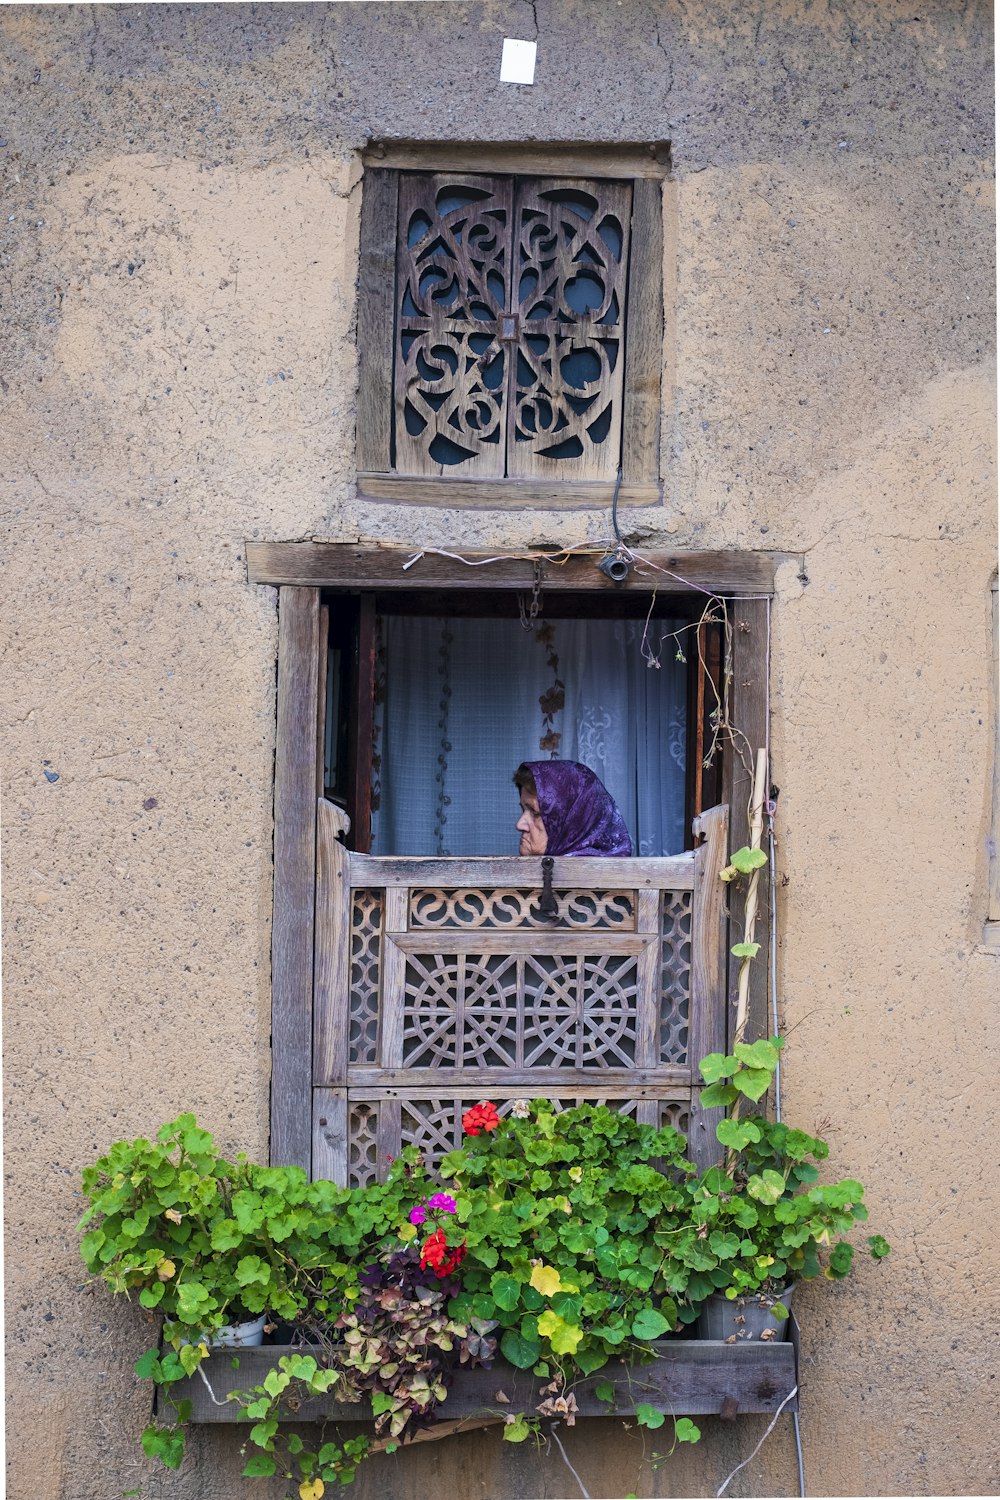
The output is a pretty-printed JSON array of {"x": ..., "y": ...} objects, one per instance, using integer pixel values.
[
  {"x": 585, "y": 1493},
  {"x": 450, "y": 1428},
  {"x": 750, "y": 917},
  {"x": 722, "y": 1487}
]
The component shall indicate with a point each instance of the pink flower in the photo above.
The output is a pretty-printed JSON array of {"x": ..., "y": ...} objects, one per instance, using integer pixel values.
[
  {"x": 418, "y": 1214},
  {"x": 442, "y": 1203}
]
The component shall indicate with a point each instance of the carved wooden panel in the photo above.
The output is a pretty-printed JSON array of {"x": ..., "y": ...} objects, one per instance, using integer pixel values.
[
  {"x": 456, "y": 990},
  {"x": 520, "y": 1010},
  {"x": 510, "y": 307},
  {"x": 435, "y": 907},
  {"x": 452, "y": 289},
  {"x": 570, "y": 264},
  {"x": 675, "y": 1000},
  {"x": 366, "y": 949}
]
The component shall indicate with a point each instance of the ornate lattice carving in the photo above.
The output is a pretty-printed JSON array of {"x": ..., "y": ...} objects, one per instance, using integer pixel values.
[
  {"x": 677, "y": 1113},
  {"x": 510, "y": 308},
  {"x": 509, "y": 908},
  {"x": 434, "y": 1125},
  {"x": 520, "y": 1010},
  {"x": 366, "y": 952},
  {"x": 362, "y": 1144},
  {"x": 571, "y": 256},
  {"x": 675, "y": 994},
  {"x": 452, "y": 287}
]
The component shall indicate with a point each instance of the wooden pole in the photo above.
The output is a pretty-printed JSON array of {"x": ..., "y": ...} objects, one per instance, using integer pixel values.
[{"x": 750, "y": 919}]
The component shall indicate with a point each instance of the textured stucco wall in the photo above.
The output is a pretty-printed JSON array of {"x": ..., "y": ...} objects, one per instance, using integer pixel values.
[{"x": 178, "y": 249}]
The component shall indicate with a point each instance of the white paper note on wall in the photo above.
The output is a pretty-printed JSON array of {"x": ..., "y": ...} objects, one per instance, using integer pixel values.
[{"x": 517, "y": 65}]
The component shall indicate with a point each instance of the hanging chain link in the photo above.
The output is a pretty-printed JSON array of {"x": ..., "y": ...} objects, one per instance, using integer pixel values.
[{"x": 530, "y": 614}]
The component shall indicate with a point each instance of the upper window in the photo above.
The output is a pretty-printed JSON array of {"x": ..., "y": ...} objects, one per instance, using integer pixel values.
[
  {"x": 510, "y": 304},
  {"x": 510, "y": 334}
]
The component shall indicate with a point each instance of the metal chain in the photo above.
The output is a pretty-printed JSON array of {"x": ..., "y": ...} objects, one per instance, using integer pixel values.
[{"x": 530, "y": 615}]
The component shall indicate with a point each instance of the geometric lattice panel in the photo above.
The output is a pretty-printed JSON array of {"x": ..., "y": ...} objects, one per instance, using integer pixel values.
[
  {"x": 366, "y": 950},
  {"x": 434, "y": 1125},
  {"x": 588, "y": 909},
  {"x": 520, "y": 1010},
  {"x": 675, "y": 976},
  {"x": 362, "y": 1144}
]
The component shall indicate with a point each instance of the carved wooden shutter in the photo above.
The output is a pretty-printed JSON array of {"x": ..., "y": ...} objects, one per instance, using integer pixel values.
[
  {"x": 438, "y": 984},
  {"x": 510, "y": 306}
]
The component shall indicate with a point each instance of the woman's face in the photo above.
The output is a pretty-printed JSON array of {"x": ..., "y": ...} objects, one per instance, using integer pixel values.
[{"x": 534, "y": 839}]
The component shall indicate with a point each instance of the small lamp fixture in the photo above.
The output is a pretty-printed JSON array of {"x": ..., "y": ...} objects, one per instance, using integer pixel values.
[{"x": 616, "y": 565}]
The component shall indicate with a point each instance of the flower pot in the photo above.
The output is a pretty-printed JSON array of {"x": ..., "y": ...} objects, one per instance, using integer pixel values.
[
  {"x": 744, "y": 1318},
  {"x": 240, "y": 1335}
]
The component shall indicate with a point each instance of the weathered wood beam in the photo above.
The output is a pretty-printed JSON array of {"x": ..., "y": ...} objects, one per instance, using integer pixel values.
[
  {"x": 348, "y": 565},
  {"x": 688, "y": 1378}
]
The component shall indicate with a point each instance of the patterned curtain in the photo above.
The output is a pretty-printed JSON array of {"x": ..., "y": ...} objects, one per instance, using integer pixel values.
[{"x": 460, "y": 703}]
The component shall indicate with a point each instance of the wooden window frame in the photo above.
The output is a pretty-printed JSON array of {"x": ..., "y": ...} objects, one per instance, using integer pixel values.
[
  {"x": 647, "y": 168},
  {"x": 301, "y": 571}
]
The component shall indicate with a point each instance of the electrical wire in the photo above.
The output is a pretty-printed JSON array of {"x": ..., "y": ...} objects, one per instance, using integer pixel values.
[
  {"x": 798, "y": 1454},
  {"x": 614, "y": 510},
  {"x": 772, "y": 889}
]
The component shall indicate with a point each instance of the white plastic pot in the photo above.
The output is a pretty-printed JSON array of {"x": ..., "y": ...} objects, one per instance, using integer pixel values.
[{"x": 240, "y": 1335}]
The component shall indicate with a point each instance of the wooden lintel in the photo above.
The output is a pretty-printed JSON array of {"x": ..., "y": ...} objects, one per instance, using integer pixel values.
[
  {"x": 688, "y": 1378},
  {"x": 567, "y": 158},
  {"x": 670, "y": 1083},
  {"x": 358, "y": 567},
  {"x": 507, "y": 494}
]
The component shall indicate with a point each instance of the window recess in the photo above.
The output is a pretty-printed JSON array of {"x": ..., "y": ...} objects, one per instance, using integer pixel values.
[
  {"x": 510, "y": 330},
  {"x": 404, "y": 986}
]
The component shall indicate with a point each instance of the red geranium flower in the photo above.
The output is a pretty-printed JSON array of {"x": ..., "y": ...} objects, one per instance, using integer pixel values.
[
  {"x": 433, "y": 1250},
  {"x": 479, "y": 1118},
  {"x": 451, "y": 1262}
]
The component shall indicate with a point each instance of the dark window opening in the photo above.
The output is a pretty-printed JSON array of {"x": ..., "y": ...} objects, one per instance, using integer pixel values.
[{"x": 433, "y": 698}]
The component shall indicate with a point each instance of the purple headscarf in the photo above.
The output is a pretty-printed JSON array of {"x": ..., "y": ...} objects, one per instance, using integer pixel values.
[{"x": 579, "y": 813}]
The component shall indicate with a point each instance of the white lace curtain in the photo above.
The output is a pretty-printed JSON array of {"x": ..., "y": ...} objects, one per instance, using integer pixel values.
[{"x": 461, "y": 702}]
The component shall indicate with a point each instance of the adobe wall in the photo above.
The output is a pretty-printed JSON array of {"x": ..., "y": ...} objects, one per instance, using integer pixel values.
[{"x": 180, "y": 231}]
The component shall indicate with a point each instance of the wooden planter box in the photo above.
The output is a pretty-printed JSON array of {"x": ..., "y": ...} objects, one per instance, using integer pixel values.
[{"x": 689, "y": 1377}]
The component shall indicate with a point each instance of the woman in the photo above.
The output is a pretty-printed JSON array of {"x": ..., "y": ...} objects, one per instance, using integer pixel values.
[{"x": 566, "y": 809}]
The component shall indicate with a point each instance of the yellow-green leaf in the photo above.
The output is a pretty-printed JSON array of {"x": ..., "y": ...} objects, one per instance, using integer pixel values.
[
  {"x": 311, "y": 1489},
  {"x": 564, "y": 1337},
  {"x": 546, "y": 1280},
  {"x": 166, "y": 1269}
]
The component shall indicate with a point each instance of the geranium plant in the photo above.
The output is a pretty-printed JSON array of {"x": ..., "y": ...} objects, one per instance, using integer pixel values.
[{"x": 566, "y": 1238}]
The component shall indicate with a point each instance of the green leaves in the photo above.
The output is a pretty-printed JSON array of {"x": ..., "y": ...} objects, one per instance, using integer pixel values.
[
  {"x": 716, "y": 1065},
  {"x": 649, "y": 1324},
  {"x": 260, "y": 1466},
  {"x": 520, "y": 1351},
  {"x": 745, "y": 950},
  {"x": 759, "y": 1054},
  {"x": 743, "y": 862},
  {"x": 164, "y": 1443},
  {"x": 767, "y": 1186},
  {"x": 506, "y": 1291},
  {"x": 587, "y": 1234},
  {"x": 736, "y": 1134}
]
